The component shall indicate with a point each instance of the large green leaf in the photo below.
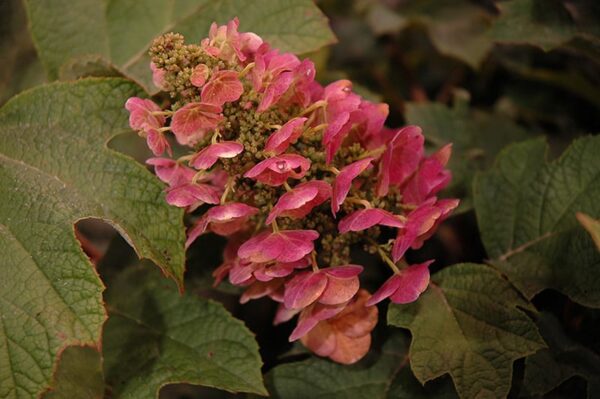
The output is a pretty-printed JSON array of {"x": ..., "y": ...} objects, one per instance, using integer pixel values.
[
  {"x": 155, "y": 336},
  {"x": 386, "y": 377},
  {"x": 476, "y": 138},
  {"x": 55, "y": 169},
  {"x": 121, "y": 31},
  {"x": 468, "y": 324},
  {"x": 79, "y": 375},
  {"x": 526, "y": 211},
  {"x": 563, "y": 359}
]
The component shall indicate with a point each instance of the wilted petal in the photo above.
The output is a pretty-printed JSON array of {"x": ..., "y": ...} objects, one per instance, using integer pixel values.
[
  {"x": 343, "y": 181},
  {"x": 280, "y": 140},
  {"x": 322, "y": 340},
  {"x": 209, "y": 155},
  {"x": 366, "y": 218}
]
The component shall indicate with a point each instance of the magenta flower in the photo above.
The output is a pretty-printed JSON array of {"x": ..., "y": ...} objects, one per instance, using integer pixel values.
[
  {"x": 223, "y": 86},
  {"x": 421, "y": 224},
  {"x": 279, "y": 141},
  {"x": 301, "y": 200},
  {"x": 276, "y": 170},
  {"x": 404, "y": 287},
  {"x": 223, "y": 220},
  {"x": 191, "y": 122},
  {"x": 401, "y": 158},
  {"x": 343, "y": 182},
  {"x": 366, "y": 218},
  {"x": 330, "y": 286},
  {"x": 206, "y": 158},
  {"x": 283, "y": 246},
  {"x": 429, "y": 179}
]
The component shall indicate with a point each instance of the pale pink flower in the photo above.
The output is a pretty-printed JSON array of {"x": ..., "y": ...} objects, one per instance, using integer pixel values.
[
  {"x": 343, "y": 182},
  {"x": 301, "y": 200},
  {"x": 223, "y": 86},
  {"x": 144, "y": 114},
  {"x": 224, "y": 41},
  {"x": 192, "y": 195},
  {"x": 404, "y": 287},
  {"x": 208, "y": 156},
  {"x": 191, "y": 122},
  {"x": 170, "y": 171},
  {"x": 367, "y": 218},
  {"x": 158, "y": 77},
  {"x": 276, "y": 170},
  {"x": 200, "y": 75},
  {"x": 282, "y": 246}
]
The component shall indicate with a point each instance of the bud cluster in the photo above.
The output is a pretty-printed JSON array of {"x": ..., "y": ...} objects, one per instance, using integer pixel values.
[{"x": 294, "y": 174}]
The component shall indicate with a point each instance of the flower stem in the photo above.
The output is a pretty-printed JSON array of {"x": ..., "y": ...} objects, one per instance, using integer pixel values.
[{"x": 247, "y": 69}]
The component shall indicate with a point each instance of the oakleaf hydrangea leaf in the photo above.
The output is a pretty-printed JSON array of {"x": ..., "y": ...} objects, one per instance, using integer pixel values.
[
  {"x": 386, "y": 377},
  {"x": 526, "y": 210},
  {"x": 155, "y": 336},
  {"x": 55, "y": 169},
  {"x": 121, "y": 31},
  {"x": 563, "y": 359},
  {"x": 79, "y": 375},
  {"x": 591, "y": 225},
  {"x": 468, "y": 324}
]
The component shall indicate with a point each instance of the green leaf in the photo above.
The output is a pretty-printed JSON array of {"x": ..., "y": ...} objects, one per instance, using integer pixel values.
[
  {"x": 526, "y": 214},
  {"x": 121, "y": 31},
  {"x": 476, "y": 138},
  {"x": 55, "y": 169},
  {"x": 543, "y": 23},
  {"x": 384, "y": 377},
  {"x": 564, "y": 359},
  {"x": 79, "y": 375},
  {"x": 155, "y": 336},
  {"x": 468, "y": 324}
]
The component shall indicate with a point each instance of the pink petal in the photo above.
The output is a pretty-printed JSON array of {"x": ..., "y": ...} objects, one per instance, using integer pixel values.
[
  {"x": 223, "y": 214},
  {"x": 276, "y": 170},
  {"x": 343, "y": 182},
  {"x": 342, "y": 284},
  {"x": 209, "y": 155},
  {"x": 140, "y": 114},
  {"x": 301, "y": 200},
  {"x": 401, "y": 158},
  {"x": 304, "y": 289},
  {"x": 366, "y": 218},
  {"x": 284, "y": 314},
  {"x": 200, "y": 75},
  {"x": 413, "y": 281},
  {"x": 285, "y": 246},
  {"x": 157, "y": 143},
  {"x": 191, "y": 122},
  {"x": 430, "y": 178},
  {"x": 158, "y": 76},
  {"x": 280, "y": 140},
  {"x": 224, "y": 86},
  {"x": 192, "y": 194}
]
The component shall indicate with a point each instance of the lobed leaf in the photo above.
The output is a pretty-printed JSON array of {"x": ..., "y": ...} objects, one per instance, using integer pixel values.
[
  {"x": 155, "y": 336},
  {"x": 526, "y": 210},
  {"x": 121, "y": 31},
  {"x": 468, "y": 324},
  {"x": 55, "y": 169}
]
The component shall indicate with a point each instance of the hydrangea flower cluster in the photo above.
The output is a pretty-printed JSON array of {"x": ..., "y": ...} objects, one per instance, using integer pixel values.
[{"x": 294, "y": 174}]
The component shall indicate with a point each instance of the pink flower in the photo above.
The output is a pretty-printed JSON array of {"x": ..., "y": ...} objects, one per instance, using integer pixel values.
[
  {"x": 200, "y": 75},
  {"x": 421, "y": 224},
  {"x": 276, "y": 170},
  {"x": 259, "y": 289},
  {"x": 404, "y": 287},
  {"x": 346, "y": 337},
  {"x": 301, "y": 200},
  {"x": 288, "y": 134},
  {"x": 401, "y": 158},
  {"x": 330, "y": 286},
  {"x": 284, "y": 246},
  {"x": 206, "y": 158},
  {"x": 191, "y": 122},
  {"x": 193, "y": 195},
  {"x": 223, "y": 220},
  {"x": 224, "y": 41},
  {"x": 429, "y": 179},
  {"x": 269, "y": 271},
  {"x": 171, "y": 172},
  {"x": 366, "y": 218},
  {"x": 144, "y": 114},
  {"x": 224, "y": 86},
  {"x": 158, "y": 77},
  {"x": 269, "y": 64},
  {"x": 343, "y": 182},
  {"x": 157, "y": 142}
]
